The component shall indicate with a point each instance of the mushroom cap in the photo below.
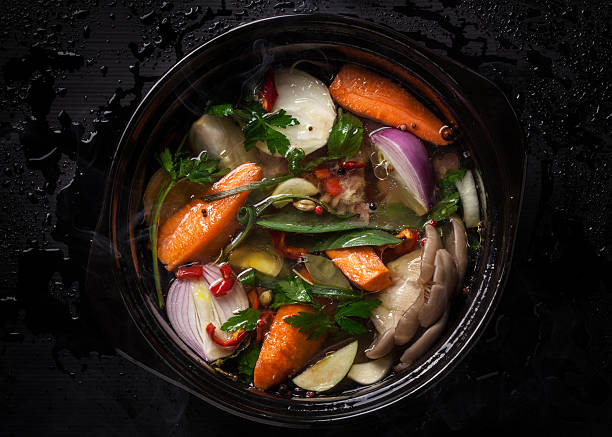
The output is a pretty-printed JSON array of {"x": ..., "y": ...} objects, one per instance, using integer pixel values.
[
  {"x": 423, "y": 343},
  {"x": 455, "y": 241},
  {"x": 381, "y": 346},
  {"x": 432, "y": 244},
  {"x": 408, "y": 324},
  {"x": 444, "y": 283}
]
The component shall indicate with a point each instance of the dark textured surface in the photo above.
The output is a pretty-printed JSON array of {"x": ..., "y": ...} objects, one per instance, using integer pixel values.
[{"x": 73, "y": 71}]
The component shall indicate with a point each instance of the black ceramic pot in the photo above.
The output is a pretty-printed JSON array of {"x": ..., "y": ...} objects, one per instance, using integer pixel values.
[{"x": 120, "y": 285}]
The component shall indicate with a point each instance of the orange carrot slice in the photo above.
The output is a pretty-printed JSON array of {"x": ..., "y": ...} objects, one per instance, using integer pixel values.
[
  {"x": 285, "y": 349},
  {"x": 199, "y": 230},
  {"x": 369, "y": 95},
  {"x": 362, "y": 266}
]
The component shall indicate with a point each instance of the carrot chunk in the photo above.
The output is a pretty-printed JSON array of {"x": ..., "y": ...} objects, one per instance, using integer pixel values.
[
  {"x": 369, "y": 95},
  {"x": 199, "y": 230},
  {"x": 285, "y": 349},
  {"x": 362, "y": 266}
]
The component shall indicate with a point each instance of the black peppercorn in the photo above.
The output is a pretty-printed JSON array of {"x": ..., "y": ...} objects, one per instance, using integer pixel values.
[
  {"x": 203, "y": 213},
  {"x": 373, "y": 206},
  {"x": 341, "y": 171}
]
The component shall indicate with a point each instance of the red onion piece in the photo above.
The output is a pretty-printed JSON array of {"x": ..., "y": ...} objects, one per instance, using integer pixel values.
[
  {"x": 411, "y": 165},
  {"x": 191, "y": 307}
]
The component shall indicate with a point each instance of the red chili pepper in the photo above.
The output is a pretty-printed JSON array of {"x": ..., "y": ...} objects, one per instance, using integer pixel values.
[
  {"x": 221, "y": 287},
  {"x": 433, "y": 223},
  {"x": 318, "y": 209},
  {"x": 263, "y": 324},
  {"x": 332, "y": 186},
  {"x": 322, "y": 173},
  {"x": 268, "y": 91},
  {"x": 190, "y": 272},
  {"x": 236, "y": 338},
  {"x": 350, "y": 165},
  {"x": 423, "y": 241}
]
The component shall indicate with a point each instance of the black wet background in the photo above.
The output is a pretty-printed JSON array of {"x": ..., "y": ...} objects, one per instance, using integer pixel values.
[{"x": 72, "y": 73}]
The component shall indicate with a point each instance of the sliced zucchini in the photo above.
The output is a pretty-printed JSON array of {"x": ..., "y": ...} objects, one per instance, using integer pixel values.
[{"x": 329, "y": 371}]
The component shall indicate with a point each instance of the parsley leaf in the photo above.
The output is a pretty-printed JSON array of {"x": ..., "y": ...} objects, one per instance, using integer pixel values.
[
  {"x": 245, "y": 319},
  {"x": 315, "y": 324},
  {"x": 360, "y": 308},
  {"x": 280, "y": 118},
  {"x": 166, "y": 160},
  {"x": 246, "y": 361},
  {"x": 219, "y": 110},
  {"x": 346, "y": 136},
  {"x": 276, "y": 141},
  {"x": 295, "y": 158},
  {"x": 295, "y": 289},
  {"x": 179, "y": 167}
]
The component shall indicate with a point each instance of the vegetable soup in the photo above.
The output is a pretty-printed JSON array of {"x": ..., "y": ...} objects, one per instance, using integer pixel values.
[{"x": 317, "y": 231}]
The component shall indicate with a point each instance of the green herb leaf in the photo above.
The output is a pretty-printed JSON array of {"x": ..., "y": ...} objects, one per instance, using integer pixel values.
[
  {"x": 335, "y": 293},
  {"x": 392, "y": 217},
  {"x": 351, "y": 326},
  {"x": 245, "y": 319},
  {"x": 346, "y": 136},
  {"x": 280, "y": 118},
  {"x": 314, "y": 324},
  {"x": 324, "y": 272},
  {"x": 295, "y": 289},
  {"x": 447, "y": 183},
  {"x": 362, "y": 237},
  {"x": 220, "y": 110},
  {"x": 166, "y": 160},
  {"x": 263, "y": 127},
  {"x": 247, "y": 278},
  {"x": 295, "y": 158},
  {"x": 276, "y": 141},
  {"x": 445, "y": 207},
  {"x": 246, "y": 361},
  {"x": 247, "y": 187},
  {"x": 360, "y": 308}
]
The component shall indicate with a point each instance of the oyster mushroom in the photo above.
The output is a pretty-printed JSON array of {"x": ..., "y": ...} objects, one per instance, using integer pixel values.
[
  {"x": 401, "y": 295},
  {"x": 444, "y": 283},
  {"x": 382, "y": 345},
  {"x": 408, "y": 324},
  {"x": 455, "y": 241},
  {"x": 432, "y": 244},
  {"x": 423, "y": 343}
]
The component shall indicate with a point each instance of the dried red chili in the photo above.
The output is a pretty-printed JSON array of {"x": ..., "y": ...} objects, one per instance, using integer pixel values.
[
  {"x": 222, "y": 286},
  {"x": 190, "y": 272},
  {"x": 268, "y": 91},
  {"x": 236, "y": 338},
  {"x": 351, "y": 165}
]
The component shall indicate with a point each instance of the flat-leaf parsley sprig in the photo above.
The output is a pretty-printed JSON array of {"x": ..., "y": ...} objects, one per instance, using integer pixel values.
[{"x": 178, "y": 168}]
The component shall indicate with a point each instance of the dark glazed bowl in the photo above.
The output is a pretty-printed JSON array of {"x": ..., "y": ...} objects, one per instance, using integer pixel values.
[{"x": 120, "y": 283}]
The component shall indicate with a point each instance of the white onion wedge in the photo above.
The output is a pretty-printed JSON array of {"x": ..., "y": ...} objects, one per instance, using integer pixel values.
[
  {"x": 191, "y": 307},
  {"x": 307, "y": 99},
  {"x": 220, "y": 138},
  {"x": 371, "y": 371},
  {"x": 469, "y": 200},
  {"x": 296, "y": 186}
]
